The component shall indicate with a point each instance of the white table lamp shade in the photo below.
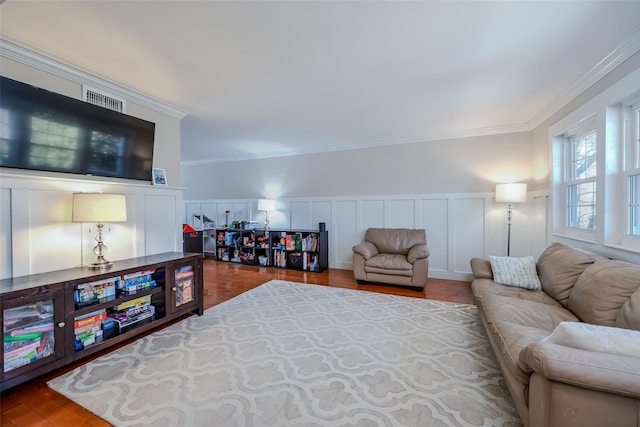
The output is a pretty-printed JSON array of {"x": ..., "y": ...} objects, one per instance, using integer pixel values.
[
  {"x": 99, "y": 208},
  {"x": 511, "y": 193},
  {"x": 266, "y": 205}
]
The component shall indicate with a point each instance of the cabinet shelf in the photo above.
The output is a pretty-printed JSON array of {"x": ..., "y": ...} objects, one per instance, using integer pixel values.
[
  {"x": 274, "y": 248},
  {"x": 41, "y": 310},
  {"x": 124, "y": 297}
]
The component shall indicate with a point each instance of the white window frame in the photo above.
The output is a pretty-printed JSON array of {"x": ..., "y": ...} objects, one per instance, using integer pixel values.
[
  {"x": 631, "y": 150},
  {"x": 611, "y": 236},
  {"x": 563, "y": 160},
  {"x": 571, "y": 180}
]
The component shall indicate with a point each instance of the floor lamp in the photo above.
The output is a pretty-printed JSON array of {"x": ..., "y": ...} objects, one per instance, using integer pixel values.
[
  {"x": 99, "y": 208},
  {"x": 510, "y": 193}
]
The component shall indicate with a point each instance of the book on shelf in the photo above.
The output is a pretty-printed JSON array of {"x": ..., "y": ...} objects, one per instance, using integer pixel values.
[
  {"x": 92, "y": 292},
  {"x": 21, "y": 350},
  {"x": 138, "y": 281},
  {"x": 133, "y": 317},
  {"x": 89, "y": 321},
  {"x": 279, "y": 258},
  {"x": 134, "y": 303},
  {"x": 184, "y": 284}
]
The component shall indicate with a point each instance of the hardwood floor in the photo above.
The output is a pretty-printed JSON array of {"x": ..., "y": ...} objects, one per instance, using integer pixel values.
[{"x": 34, "y": 404}]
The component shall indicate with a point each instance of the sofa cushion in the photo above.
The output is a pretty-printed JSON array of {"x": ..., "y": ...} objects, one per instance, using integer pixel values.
[
  {"x": 559, "y": 267},
  {"x": 518, "y": 272},
  {"x": 395, "y": 240},
  {"x": 603, "y": 339},
  {"x": 511, "y": 339},
  {"x": 526, "y": 313},
  {"x": 629, "y": 316},
  {"x": 485, "y": 288},
  {"x": 602, "y": 290}
]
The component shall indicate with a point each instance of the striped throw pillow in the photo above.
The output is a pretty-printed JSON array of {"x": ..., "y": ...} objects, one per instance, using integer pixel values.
[{"x": 519, "y": 272}]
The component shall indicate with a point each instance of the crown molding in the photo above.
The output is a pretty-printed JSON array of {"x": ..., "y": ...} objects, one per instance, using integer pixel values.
[
  {"x": 625, "y": 50},
  {"x": 40, "y": 61}
]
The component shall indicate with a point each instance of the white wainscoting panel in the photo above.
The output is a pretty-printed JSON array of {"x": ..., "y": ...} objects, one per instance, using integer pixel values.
[
  {"x": 541, "y": 215},
  {"x": 300, "y": 215},
  {"x": 434, "y": 219},
  {"x": 402, "y": 213},
  {"x": 321, "y": 212},
  {"x": 372, "y": 214},
  {"x": 468, "y": 233},
  {"x": 6, "y": 269},
  {"x": 51, "y": 235},
  {"x": 459, "y": 226},
  {"x": 345, "y": 234},
  {"x": 159, "y": 221},
  {"x": 37, "y": 235}
]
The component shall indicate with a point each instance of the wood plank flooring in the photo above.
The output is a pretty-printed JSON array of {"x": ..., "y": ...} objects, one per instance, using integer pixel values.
[{"x": 34, "y": 404}]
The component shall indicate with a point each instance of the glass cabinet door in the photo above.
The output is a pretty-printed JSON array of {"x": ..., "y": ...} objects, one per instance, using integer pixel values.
[
  {"x": 32, "y": 332},
  {"x": 184, "y": 285}
]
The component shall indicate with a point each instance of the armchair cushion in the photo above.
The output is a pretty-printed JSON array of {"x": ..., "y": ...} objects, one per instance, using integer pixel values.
[
  {"x": 395, "y": 240},
  {"x": 417, "y": 252},
  {"x": 366, "y": 249},
  {"x": 389, "y": 262}
]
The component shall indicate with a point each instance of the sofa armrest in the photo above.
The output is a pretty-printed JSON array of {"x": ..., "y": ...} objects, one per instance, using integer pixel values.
[
  {"x": 481, "y": 268},
  {"x": 587, "y": 369},
  {"x": 366, "y": 250},
  {"x": 418, "y": 252}
]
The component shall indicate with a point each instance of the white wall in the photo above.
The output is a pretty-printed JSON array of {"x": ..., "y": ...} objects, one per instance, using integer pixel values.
[
  {"x": 448, "y": 166},
  {"x": 36, "y": 233},
  {"x": 444, "y": 186},
  {"x": 58, "y": 77},
  {"x": 459, "y": 226}
]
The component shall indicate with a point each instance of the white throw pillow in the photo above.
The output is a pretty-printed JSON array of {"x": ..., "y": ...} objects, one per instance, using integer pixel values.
[
  {"x": 520, "y": 272},
  {"x": 603, "y": 339}
]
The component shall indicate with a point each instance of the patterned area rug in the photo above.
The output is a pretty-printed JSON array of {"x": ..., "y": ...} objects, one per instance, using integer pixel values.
[{"x": 291, "y": 354}]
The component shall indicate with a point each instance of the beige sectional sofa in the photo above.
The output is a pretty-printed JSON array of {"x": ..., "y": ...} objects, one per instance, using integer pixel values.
[{"x": 569, "y": 352}]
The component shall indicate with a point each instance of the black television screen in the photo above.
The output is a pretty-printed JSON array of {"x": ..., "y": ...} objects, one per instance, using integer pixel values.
[{"x": 46, "y": 131}]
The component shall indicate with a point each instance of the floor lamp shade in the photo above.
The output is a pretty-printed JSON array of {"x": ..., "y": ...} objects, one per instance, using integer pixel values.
[
  {"x": 99, "y": 208},
  {"x": 511, "y": 193}
]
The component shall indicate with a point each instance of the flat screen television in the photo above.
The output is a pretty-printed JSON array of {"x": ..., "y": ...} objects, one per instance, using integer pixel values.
[{"x": 46, "y": 131}]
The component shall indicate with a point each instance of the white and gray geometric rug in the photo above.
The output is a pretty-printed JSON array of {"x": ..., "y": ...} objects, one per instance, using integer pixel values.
[{"x": 291, "y": 354}]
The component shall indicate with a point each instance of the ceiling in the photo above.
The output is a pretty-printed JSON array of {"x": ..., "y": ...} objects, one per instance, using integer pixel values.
[{"x": 269, "y": 78}]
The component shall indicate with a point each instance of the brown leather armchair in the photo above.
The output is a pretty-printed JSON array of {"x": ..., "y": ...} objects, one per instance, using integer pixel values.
[{"x": 397, "y": 256}]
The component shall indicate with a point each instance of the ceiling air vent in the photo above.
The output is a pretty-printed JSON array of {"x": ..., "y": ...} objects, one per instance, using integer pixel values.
[{"x": 103, "y": 99}]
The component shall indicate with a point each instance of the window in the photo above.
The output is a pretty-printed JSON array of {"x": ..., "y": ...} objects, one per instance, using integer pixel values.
[
  {"x": 581, "y": 182},
  {"x": 632, "y": 167},
  {"x": 595, "y": 172},
  {"x": 634, "y": 205}
]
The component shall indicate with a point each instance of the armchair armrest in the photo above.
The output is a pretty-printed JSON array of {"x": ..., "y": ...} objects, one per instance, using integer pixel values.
[
  {"x": 418, "y": 252},
  {"x": 366, "y": 249},
  {"x": 481, "y": 268},
  {"x": 582, "y": 368}
]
